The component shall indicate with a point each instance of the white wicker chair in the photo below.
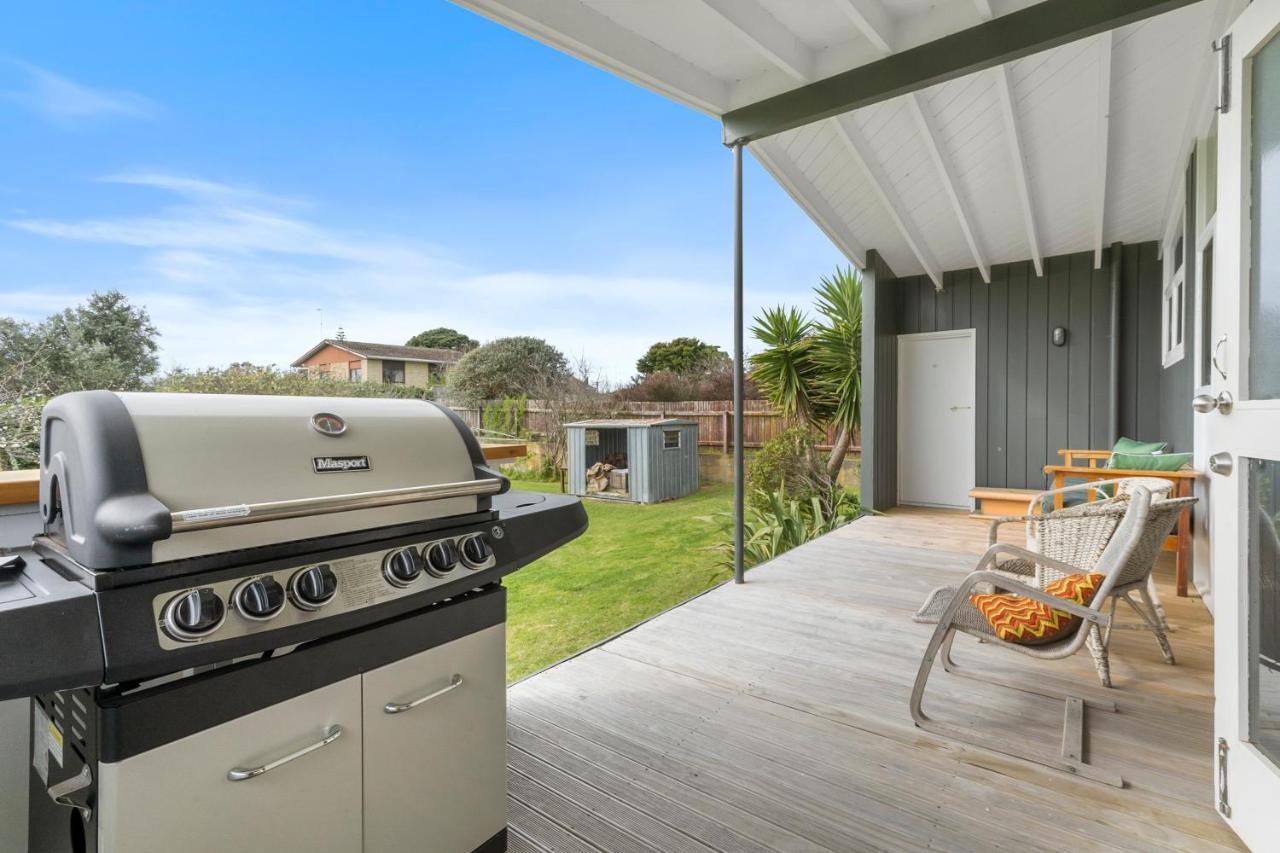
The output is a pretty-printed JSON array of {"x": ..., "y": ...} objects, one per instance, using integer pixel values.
[
  {"x": 960, "y": 615},
  {"x": 1078, "y": 536}
]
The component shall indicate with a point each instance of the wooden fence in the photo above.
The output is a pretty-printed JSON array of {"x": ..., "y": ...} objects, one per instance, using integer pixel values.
[{"x": 714, "y": 419}]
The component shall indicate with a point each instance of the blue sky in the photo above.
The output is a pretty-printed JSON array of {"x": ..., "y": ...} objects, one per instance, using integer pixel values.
[{"x": 235, "y": 166}]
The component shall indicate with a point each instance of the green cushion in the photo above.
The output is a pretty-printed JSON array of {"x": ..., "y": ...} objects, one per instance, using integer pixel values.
[
  {"x": 1128, "y": 445},
  {"x": 1069, "y": 499},
  {"x": 1150, "y": 461}
]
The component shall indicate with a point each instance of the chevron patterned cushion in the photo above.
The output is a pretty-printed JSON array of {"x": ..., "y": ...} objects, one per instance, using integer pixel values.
[{"x": 1016, "y": 619}]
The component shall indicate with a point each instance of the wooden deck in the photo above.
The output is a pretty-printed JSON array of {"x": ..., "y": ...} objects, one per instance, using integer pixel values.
[{"x": 773, "y": 717}]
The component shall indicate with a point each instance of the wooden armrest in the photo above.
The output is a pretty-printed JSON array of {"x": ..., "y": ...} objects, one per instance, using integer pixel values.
[{"x": 1117, "y": 473}]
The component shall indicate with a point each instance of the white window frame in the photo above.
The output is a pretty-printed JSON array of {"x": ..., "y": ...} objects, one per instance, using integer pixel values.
[
  {"x": 1173, "y": 347},
  {"x": 1203, "y": 345},
  {"x": 670, "y": 432}
]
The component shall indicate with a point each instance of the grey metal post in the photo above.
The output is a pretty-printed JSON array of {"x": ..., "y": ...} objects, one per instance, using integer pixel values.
[{"x": 739, "y": 469}]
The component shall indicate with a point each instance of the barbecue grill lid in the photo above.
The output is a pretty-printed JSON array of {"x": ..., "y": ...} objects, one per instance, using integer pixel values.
[{"x": 132, "y": 479}]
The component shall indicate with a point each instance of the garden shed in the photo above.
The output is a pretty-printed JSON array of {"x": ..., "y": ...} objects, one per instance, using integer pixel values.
[{"x": 644, "y": 461}]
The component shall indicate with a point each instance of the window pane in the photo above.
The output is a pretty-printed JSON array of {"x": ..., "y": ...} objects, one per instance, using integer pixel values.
[
  {"x": 670, "y": 439},
  {"x": 1178, "y": 303},
  {"x": 1264, "y": 610},
  {"x": 1206, "y": 315},
  {"x": 1264, "y": 271},
  {"x": 393, "y": 372}
]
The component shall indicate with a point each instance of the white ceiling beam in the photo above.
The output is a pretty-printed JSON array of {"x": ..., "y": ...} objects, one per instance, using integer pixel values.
[
  {"x": 984, "y": 9},
  {"x": 946, "y": 176},
  {"x": 872, "y": 20},
  {"x": 766, "y": 35},
  {"x": 1102, "y": 141},
  {"x": 1004, "y": 90},
  {"x": 581, "y": 31},
  {"x": 862, "y": 154},
  {"x": 806, "y": 195}
]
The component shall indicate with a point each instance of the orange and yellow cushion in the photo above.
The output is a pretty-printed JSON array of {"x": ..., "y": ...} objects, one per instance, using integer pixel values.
[{"x": 1017, "y": 619}]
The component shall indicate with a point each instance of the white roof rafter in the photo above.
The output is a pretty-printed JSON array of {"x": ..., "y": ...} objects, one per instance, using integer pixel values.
[
  {"x": 1102, "y": 140},
  {"x": 803, "y": 192},
  {"x": 946, "y": 175},
  {"x": 1004, "y": 89},
  {"x": 766, "y": 36},
  {"x": 863, "y": 156},
  {"x": 872, "y": 20}
]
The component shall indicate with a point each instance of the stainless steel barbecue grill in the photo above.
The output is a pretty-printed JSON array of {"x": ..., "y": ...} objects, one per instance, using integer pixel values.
[{"x": 281, "y": 617}]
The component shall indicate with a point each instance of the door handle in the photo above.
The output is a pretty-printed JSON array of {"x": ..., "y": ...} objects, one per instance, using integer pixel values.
[
  {"x": 1205, "y": 403},
  {"x": 455, "y": 681},
  {"x": 1221, "y": 464},
  {"x": 239, "y": 774},
  {"x": 1217, "y": 365}
]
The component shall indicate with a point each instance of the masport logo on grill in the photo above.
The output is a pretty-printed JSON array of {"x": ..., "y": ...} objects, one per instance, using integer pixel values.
[{"x": 338, "y": 464}]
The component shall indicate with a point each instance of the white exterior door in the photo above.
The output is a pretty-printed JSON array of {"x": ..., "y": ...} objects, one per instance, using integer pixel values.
[
  {"x": 1244, "y": 441},
  {"x": 936, "y": 375}
]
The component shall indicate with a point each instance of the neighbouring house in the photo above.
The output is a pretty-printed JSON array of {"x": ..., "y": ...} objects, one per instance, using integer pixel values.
[{"x": 389, "y": 364}]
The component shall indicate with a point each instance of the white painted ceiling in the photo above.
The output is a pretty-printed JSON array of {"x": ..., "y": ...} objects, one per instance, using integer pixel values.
[{"x": 1096, "y": 131}]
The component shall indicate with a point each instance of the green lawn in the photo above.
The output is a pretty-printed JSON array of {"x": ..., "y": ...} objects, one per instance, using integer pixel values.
[{"x": 633, "y": 561}]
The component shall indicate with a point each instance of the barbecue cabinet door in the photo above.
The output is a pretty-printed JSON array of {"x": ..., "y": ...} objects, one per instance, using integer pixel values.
[
  {"x": 286, "y": 778},
  {"x": 435, "y": 747}
]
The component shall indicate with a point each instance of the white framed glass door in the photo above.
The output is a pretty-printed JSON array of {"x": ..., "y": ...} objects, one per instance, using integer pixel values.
[{"x": 1242, "y": 433}]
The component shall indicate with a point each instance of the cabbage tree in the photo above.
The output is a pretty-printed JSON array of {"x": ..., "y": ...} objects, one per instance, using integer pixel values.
[{"x": 810, "y": 368}]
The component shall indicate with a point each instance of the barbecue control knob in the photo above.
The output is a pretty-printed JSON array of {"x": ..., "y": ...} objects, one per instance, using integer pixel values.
[
  {"x": 476, "y": 551},
  {"x": 442, "y": 558},
  {"x": 314, "y": 587},
  {"x": 259, "y": 599},
  {"x": 193, "y": 614},
  {"x": 402, "y": 567}
]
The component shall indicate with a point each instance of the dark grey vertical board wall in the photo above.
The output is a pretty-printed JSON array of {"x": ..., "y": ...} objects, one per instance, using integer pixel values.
[
  {"x": 1033, "y": 398},
  {"x": 883, "y": 313},
  {"x": 1017, "y": 421},
  {"x": 1141, "y": 377}
]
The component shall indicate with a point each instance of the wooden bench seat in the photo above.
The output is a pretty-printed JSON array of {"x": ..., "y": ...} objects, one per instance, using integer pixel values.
[{"x": 991, "y": 502}]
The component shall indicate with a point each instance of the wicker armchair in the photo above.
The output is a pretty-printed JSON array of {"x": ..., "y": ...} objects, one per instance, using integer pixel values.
[
  {"x": 961, "y": 616},
  {"x": 1078, "y": 536}
]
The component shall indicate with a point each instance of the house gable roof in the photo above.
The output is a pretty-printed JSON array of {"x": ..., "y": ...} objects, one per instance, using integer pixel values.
[{"x": 361, "y": 349}]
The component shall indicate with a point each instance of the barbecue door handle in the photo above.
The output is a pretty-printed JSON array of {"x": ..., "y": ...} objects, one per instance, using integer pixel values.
[
  {"x": 239, "y": 774},
  {"x": 455, "y": 681}
]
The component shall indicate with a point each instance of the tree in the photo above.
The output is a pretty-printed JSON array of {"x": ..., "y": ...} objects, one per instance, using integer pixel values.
[
  {"x": 811, "y": 369},
  {"x": 683, "y": 356},
  {"x": 507, "y": 367},
  {"x": 442, "y": 337},
  {"x": 103, "y": 343}
]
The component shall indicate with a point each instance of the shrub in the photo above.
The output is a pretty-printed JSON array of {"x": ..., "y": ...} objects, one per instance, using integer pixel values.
[
  {"x": 506, "y": 416},
  {"x": 245, "y": 378},
  {"x": 20, "y": 433},
  {"x": 775, "y": 523},
  {"x": 788, "y": 462}
]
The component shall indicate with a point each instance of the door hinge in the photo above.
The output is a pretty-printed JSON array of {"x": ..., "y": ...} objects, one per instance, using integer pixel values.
[
  {"x": 1222, "y": 47},
  {"x": 1223, "y": 805}
]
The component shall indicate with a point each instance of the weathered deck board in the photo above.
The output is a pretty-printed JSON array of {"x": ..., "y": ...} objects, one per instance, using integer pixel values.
[{"x": 773, "y": 717}]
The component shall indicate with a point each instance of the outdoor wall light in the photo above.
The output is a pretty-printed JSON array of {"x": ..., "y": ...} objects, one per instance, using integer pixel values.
[{"x": 1059, "y": 336}]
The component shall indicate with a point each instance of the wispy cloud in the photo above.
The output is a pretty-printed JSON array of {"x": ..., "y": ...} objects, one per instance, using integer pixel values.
[
  {"x": 232, "y": 273},
  {"x": 66, "y": 102}
]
